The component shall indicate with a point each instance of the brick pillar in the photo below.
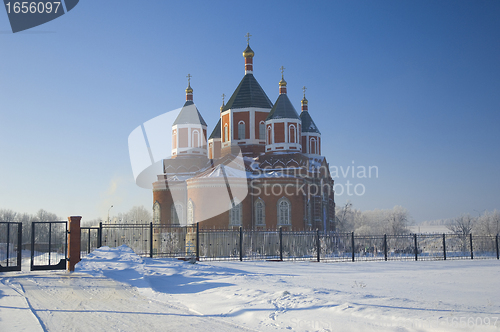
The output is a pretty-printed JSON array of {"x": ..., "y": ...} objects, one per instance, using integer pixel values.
[{"x": 73, "y": 242}]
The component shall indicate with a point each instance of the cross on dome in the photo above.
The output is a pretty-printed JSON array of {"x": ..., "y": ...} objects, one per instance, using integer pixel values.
[
  {"x": 189, "y": 89},
  {"x": 248, "y": 35},
  {"x": 304, "y": 89}
]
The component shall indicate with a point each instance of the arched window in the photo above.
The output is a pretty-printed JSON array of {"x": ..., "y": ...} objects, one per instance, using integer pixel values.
[
  {"x": 292, "y": 133},
  {"x": 269, "y": 135},
  {"x": 312, "y": 148},
  {"x": 176, "y": 214},
  {"x": 196, "y": 139},
  {"x": 260, "y": 213},
  {"x": 156, "y": 213},
  {"x": 226, "y": 133},
  {"x": 241, "y": 130},
  {"x": 284, "y": 212},
  {"x": 190, "y": 213},
  {"x": 262, "y": 131},
  {"x": 235, "y": 214}
]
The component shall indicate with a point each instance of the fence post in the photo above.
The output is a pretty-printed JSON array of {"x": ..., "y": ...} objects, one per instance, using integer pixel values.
[
  {"x": 496, "y": 241},
  {"x": 88, "y": 242},
  {"x": 352, "y": 245},
  {"x": 444, "y": 246},
  {"x": 99, "y": 235},
  {"x": 32, "y": 244},
  {"x": 241, "y": 243},
  {"x": 8, "y": 245},
  {"x": 385, "y": 247},
  {"x": 471, "y": 250},
  {"x": 20, "y": 241},
  {"x": 197, "y": 241},
  {"x": 74, "y": 238},
  {"x": 416, "y": 247},
  {"x": 281, "y": 243},
  {"x": 151, "y": 240},
  {"x": 318, "y": 245}
]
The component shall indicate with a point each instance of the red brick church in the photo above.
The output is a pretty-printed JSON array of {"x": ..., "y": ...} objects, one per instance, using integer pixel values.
[{"x": 261, "y": 167}]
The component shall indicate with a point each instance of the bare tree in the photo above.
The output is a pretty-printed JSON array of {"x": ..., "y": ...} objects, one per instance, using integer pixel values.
[
  {"x": 343, "y": 218},
  {"x": 7, "y": 215},
  {"x": 397, "y": 221},
  {"x": 43, "y": 215},
  {"x": 137, "y": 214},
  {"x": 488, "y": 223},
  {"x": 462, "y": 225}
]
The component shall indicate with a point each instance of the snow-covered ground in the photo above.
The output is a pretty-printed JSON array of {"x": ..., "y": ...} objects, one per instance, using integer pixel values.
[{"x": 115, "y": 290}]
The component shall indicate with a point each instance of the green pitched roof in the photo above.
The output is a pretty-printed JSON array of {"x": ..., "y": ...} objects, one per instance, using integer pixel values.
[
  {"x": 249, "y": 93},
  {"x": 189, "y": 115},
  {"x": 283, "y": 109},
  {"x": 308, "y": 125},
  {"x": 216, "y": 132}
]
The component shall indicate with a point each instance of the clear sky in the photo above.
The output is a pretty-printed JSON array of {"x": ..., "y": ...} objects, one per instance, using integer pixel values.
[{"x": 411, "y": 87}]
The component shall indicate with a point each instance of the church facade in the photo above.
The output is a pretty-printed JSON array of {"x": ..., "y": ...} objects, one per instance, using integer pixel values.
[{"x": 261, "y": 168}]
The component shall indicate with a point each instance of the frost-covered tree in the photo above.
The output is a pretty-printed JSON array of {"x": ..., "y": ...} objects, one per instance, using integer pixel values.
[
  {"x": 344, "y": 216},
  {"x": 488, "y": 223},
  {"x": 136, "y": 215},
  {"x": 7, "y": 215},
  {"x": 373, "y": 222},
  {"x": 462, "y": 225}
]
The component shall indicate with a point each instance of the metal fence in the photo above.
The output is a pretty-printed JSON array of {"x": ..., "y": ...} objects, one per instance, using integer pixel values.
[
  {"x": 238, "y": 244},
  {"x": 10, "y": 246}
]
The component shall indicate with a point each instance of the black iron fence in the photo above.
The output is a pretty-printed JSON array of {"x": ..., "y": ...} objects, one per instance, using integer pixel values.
[
  {"x": 49, "y": 245},
  {"x": 237, "y": 244},
  {"x": 10, "y": 246}
]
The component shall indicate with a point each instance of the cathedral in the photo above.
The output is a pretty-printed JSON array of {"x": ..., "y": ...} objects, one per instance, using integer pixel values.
[{"x": 261, "y": 167}]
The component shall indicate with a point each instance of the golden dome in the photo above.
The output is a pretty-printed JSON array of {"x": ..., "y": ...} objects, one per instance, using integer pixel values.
[
  {"x": 282, "y": 82},
  {"x": 248, "y": 53},
  {"x": 304, "y": 101},
  {"x": 189, "y": 89}
]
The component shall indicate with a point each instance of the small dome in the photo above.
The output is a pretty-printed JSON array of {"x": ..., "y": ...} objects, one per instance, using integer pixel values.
[
  {"x": 304, "y": 101},
  {"x": 282, "y": 82},
  {"x": 248, "y": 52},
  {"x": 189, "y": 89}
]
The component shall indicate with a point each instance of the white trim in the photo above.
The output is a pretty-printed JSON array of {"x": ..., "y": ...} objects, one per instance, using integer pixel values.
[
  {"x": 284, "y": 146},
  {"x": 252, "y": 112}
]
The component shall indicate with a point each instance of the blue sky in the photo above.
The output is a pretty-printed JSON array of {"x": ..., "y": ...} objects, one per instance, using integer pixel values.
[{"x": 411, "y": 87}]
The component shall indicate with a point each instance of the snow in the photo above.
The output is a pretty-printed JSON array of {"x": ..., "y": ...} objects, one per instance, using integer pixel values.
[{"x": 113, "y": 289}]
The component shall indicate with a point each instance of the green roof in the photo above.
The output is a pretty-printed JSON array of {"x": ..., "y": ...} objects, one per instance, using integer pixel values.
[
  {"x": 249, "y": 93},
  {"x": 216, "y": 132},
  {"x": 283, "y": 109},
  {"x": 189, "y": 115},
  {"x": 308, "y": 125}
]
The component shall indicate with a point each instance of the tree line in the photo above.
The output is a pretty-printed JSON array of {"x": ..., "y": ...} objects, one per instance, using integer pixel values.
[
  {"x": 395, "y": 221},
  {"x": 487, "y": 223},
  {"x": 26, "y": 219}
]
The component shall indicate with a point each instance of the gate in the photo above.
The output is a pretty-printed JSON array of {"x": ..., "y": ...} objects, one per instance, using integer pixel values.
[
  {"x": 10, "y": 246},
  {"x": 89, "y": 239},
  {"x": 49, "y": 245}
]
